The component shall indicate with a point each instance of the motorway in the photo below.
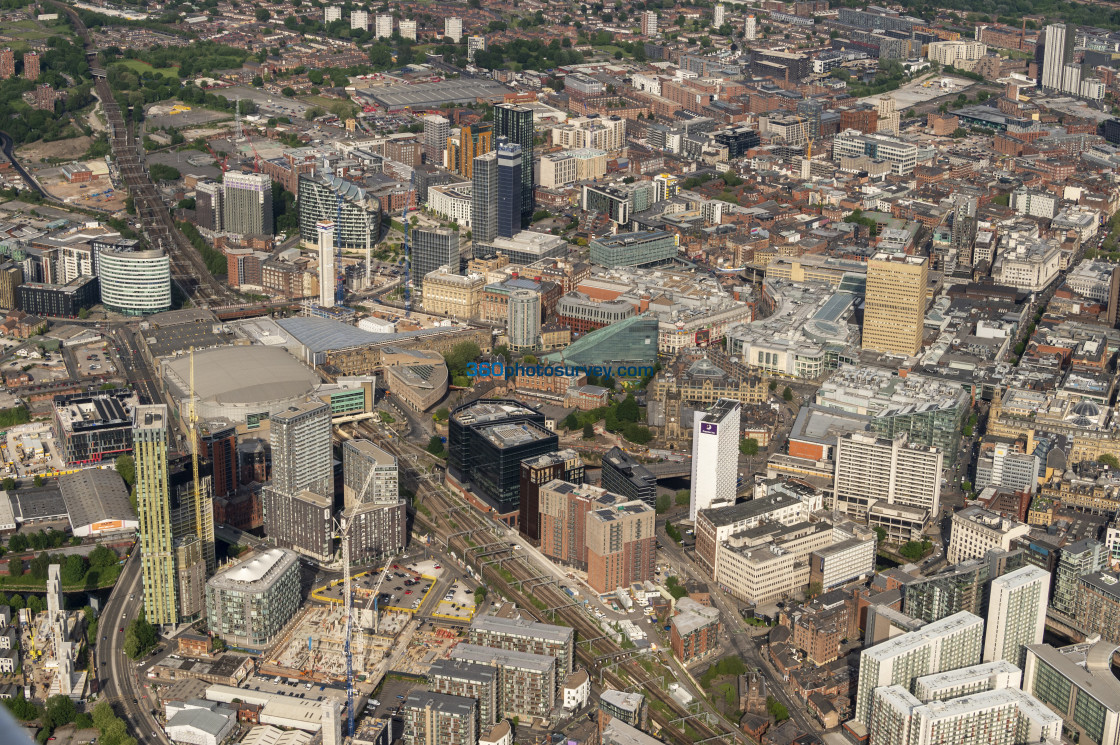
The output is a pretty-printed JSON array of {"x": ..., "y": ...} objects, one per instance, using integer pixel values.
[{"x": 120, "y": 677}]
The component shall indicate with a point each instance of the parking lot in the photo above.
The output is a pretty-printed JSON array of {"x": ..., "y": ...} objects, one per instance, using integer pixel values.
[
  {"x": 457, "y": 603},
  {"x": 93, "y": 360},
  {"x": 403, "y": 589},
  {"x": 268, "y": 104}
]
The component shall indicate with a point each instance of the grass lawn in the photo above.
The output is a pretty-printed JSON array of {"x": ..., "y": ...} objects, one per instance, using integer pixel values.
[
  {"x": 141, "y": 66},
  {"x": 106, "y": 577},
  {"x": 322, "y": 102}
]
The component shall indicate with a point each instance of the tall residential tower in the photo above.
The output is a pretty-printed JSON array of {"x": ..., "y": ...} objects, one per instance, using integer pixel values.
[{"x": 153, "y": 507}]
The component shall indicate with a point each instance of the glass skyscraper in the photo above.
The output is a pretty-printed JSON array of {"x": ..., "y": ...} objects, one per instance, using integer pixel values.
[
  {"x": 484, "y": 198},
  {"x": 509, "y": 189},
  {"x": 515, "y": 123}
]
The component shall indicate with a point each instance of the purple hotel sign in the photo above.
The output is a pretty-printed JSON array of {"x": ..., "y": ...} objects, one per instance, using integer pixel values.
[{"x": 708, "y": 428}]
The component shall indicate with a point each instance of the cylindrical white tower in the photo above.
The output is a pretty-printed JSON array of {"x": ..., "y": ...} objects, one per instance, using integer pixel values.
[
  {"x": 327, "y": 279},
  {"x": 524, "y": 319}
]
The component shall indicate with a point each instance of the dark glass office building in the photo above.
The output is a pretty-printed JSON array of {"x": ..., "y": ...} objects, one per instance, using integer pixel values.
[
  {"x": 486, "y": 441},
  {"x": 509, "y": 189},
  {"x": 626, "y": 476},
  {"x": 515, "y": 123}
]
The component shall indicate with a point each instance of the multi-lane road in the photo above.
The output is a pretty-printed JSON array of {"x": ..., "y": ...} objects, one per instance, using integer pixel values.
[{"x": 122, "y": 681}]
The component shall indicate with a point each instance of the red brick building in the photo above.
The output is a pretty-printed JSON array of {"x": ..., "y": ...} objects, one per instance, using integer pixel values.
[{"x": 694, "y": 631}]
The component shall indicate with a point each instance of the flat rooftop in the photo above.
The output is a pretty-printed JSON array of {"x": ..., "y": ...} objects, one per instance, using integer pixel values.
[{"x": 537, "y": 663}]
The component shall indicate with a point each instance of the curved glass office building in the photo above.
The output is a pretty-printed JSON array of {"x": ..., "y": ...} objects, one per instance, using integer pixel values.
[
  {"x": 135, "y": 283},
  {"x": 360, "y": 219}
]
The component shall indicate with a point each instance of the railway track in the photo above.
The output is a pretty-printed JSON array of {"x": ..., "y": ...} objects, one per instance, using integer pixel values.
[
  {"x": 465, "y": 531},
  {"x": 188, "y": 269}
]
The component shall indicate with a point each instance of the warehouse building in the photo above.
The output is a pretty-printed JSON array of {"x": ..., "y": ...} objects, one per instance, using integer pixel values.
[{"x": 97, "y": 503}]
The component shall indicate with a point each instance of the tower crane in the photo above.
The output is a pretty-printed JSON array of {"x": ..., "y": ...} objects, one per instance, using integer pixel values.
[
  {"x": 407, "y": 267},
  {"x": 192, "y": 429},
  {"x": 348, "y": 594}
]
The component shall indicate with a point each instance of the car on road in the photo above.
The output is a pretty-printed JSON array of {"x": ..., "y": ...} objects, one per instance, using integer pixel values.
[{"x": 121, "y": 629}]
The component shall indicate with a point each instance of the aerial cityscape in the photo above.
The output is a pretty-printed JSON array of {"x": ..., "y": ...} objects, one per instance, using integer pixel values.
[{"x": 541, "y": 372}]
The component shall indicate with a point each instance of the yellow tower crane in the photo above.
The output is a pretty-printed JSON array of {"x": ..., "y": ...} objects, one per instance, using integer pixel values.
[{"x": 192, "y": 428}]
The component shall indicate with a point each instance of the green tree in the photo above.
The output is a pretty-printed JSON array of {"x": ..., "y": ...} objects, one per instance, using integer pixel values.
[
  {"x": 627, "y": 410},
  {"x": 589, "y": 431},
  {"x": 140, "y": 637},
  {"x": 126, "y": 467},
  {"x": 161, "y": 172},
  {"x": 59, "y": 710},
  {"x": 663, "y": 503},
  {"x": 9, "y": 483},
  {"x": 1109, "y": 460},
  {"x": 787, "y": 394},
  {"x": 15, "y": 569},
  {"x": 683, "y": 497},
  {"x": 21, "y": 708},
  {"x": 34, "y": 604},
  {"x": 38, "y": 480},
  {"x": 773, "y": 385},
  {"x": 102, "y": 556},
  {"x": 748, "y": 446},
  {"x": 435, "y": 446},
  {"x": 261, "y": 15},
  {"x": 776, "y": 709},
  {"x": 73, "y": 569},
  {"x": 880, "y": 534}
]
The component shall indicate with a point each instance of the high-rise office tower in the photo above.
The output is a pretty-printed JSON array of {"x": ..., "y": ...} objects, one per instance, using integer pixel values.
[
  {"x": 473, "y": 140},
  {"x": 515, "y": 123},
  {"x": 509, "y": 188},
  {"x": 894, "y": 471},
  {"x": 248, "y": 203},
  {"x": 484, "y": 198},
  {"x": 453, "y": 28},
  {"x": 31, "y": 65},
  {"x": 1016, "y": 614},
  {"x": 523, "y": 319},
  {"x": 649, "y": 23},
  {"x": 1057, "y": 51},
  {"x": 436, "y": 131},
  {"x": 327, "y": 279},
  {"x": 431, "y": 249},
  {"x": 301, "y": 449},
  {"x": 153, "y": 507},
  {"x": 895, "y": 305},
  {"x": 715, "y": 456}
]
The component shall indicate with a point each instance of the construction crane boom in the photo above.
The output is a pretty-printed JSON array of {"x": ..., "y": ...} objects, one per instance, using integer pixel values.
[
  {"x": 348, "y": 594},
  {"x": 192, "y": 428}
]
